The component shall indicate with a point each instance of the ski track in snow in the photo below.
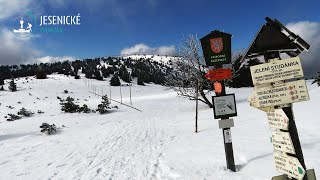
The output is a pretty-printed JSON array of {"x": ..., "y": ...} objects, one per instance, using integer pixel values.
[
  {"x": 125, "y": 148},
  {"x": 158, "y": 143}
]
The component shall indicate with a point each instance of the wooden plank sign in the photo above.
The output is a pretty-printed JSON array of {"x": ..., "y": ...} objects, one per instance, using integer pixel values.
[
  {"x": 219, "y": 74},
  {"x": 278, "y": 119},
  {"x": 276, "y": 71},
  {"x": 281, "y": 94},
  {"x": 289, "y": 166},
  {"x": 253, "y": 100},
  {"x": 281, "y": 141}
]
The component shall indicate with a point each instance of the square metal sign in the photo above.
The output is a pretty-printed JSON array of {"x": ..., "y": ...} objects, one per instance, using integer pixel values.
[
  {"x": 224, "y": 106},
  {"x": 216, "y": 48}
]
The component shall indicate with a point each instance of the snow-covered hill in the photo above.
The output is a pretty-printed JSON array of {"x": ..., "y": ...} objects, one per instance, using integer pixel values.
[
  {"x": 157, "y": 143},
  {"x": 157, "y": 58}
]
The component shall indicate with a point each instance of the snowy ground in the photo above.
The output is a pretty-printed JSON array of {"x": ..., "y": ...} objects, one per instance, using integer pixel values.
[{"x": 157, "y": 143}]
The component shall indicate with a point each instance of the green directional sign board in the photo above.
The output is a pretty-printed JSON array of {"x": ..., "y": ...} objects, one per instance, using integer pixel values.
[{"x": 216, "y": 48}]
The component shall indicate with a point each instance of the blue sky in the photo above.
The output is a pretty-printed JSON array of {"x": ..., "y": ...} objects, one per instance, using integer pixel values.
[{"x": 109, "y": 26}]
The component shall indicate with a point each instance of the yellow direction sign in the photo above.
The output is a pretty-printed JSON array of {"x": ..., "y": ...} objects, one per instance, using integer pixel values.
[
  {"x": 289, "y": 165},
  {"x": 280, "y": 94},
  {"x": 281, "y": 141},
  {"x": 253, "y": 100},
  {"x": 278, "y": 119},
  {"x": 276, "y": 71}
]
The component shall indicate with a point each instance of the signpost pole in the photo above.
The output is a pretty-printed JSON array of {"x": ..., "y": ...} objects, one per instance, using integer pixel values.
[
  {"x": 197, "y": 99},
  {"x": 216, "y": 47},
  {"x": 292, "y": 125},
  {"x": 227, "y": 135}
]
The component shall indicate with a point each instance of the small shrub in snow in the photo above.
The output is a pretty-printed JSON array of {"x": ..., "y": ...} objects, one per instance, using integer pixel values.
[
  {"x": 104, "y": 106},
  {"x": 25, "y": 112},
  {"x": 84, "y": 109},
  {"x": 12, "y": 117},
  {"x": 10, "y": 107},
  {"x": 68, "y": 105},
  {"x": 40, "y": 112},
  {"x": 47, "y": 128},
  {"x": 66, "y": 91}
]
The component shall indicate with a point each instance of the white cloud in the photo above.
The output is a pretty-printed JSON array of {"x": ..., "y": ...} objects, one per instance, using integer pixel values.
[
  {"x": 51, "y": 59},
  {"x": 14, "y": 50},
  {"x": 310, "y": 32},
  {"x": 144, "y": 49},
  {"x": 9, "y": 8}
]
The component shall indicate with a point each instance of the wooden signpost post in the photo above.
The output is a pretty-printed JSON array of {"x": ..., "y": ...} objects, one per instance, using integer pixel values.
[
  {"x": 216, "y": 48},
  {"x": 271, "y": 92},
  {"x": 289, "y": 165},
  {"x": 281, "y": 141},
  {"x": 275, "y": 96},
  {"x": 278, "y": 119}
]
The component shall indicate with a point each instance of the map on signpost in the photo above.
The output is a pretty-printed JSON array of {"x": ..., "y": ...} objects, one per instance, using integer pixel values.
[
  {"x": 224, "y": 106},
  {"x": 278, "y": 119},
  {"x": 276, "y": 71},
  {"x": 289, "y": 166},
  {"x": 281, "y": 141},
  {"x": 285, "y": 93}
]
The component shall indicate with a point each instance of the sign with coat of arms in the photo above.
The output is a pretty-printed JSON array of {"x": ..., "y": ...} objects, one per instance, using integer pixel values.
[
  {"x": 216, "y": 45},
  {"x": 216, "y": 48}
]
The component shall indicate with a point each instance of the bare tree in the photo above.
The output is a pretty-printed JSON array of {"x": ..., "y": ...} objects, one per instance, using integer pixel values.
[{"x": 190, "y": 71}]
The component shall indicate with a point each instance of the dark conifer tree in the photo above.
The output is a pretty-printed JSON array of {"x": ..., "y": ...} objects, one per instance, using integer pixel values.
[
  {"x": 140, "y": 80},
  {"x": 41, "y": 74},
  {"x": 115, "y": 81},
  {"x": 97, "y": 75},
  {"x": 1, "y": 79},
  {"x": 88, "y": 73},
  {"x": 124, "y": 74},
  {"x": 12, "y": 86},
  {"x": 105, "y": 72},
  {"x": 317, "y": 79}
]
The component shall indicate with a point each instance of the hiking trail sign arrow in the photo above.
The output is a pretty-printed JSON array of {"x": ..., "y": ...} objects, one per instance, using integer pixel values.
[
  {"x": 219, "y": 74},
  {"x": 281, "y": 141},
  {"x": 289, "y": 165},
  {"x": 276, "y": 71},
  {"x": 278, "y": 119},
  {"x": 280, "y": 94},
  {"x": 253, "y": 100}
]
